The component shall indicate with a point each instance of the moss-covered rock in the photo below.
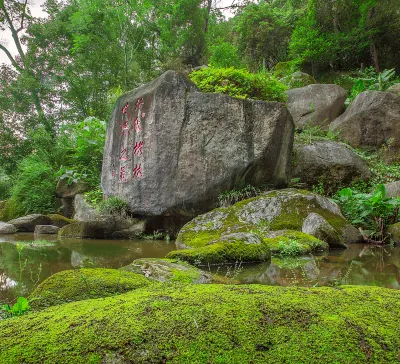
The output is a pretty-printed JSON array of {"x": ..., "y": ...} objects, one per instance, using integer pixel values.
[
  {"x": 60, "y": 220},
  {"x": 212, "y": 324},
  {"x": 394, "y": 232},
  {"x": 95, "y": 229},
  {"x": 298, "y": 79},
  {"x": 82, "y": 284},
  {"x": 168, "y": 270},
  {"x": 204, "y": 237},
  {"x": 228, "y": 248}
]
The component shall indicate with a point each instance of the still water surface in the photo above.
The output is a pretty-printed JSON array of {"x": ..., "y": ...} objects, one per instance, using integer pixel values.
[{"x": 359, "y": 265}]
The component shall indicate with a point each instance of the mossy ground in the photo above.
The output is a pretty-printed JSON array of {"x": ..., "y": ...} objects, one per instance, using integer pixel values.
[
  {"x": 60, "y": 220},
  {"x": 178, "y": 323},
  {"x": 82, "y": 284}
]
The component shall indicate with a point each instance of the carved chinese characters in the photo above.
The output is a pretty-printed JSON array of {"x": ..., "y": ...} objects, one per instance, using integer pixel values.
[{"x": 131, "y": 154}]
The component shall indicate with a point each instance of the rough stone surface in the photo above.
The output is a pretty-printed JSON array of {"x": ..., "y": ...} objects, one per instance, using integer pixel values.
[
  {"x": 333, "y": 163},
  {"x": 94, "y": 229},
  {"x": 316, "y": 104},
  {"x": 60, "y": 220},
  {"x": 7, "y": 228},
  {"x": 65, "y": 190},
  {"x": 394, "y": 89},
  {"x": 371, "y": 120},
  {"x": 29, "y": 222},
  {"x": 195, "y": 145},
  {"x": 83, "y": 210},
  {"x": 298, "y": 79},
  {"x": 137, "y": 228},
  {"x": 46, "y": 229},
  {"x": 279, "y": 210},
  {"x": 394, "y": 232},
  {"x": 168, "y": 270},
  {"x": 393, "y": 189}
]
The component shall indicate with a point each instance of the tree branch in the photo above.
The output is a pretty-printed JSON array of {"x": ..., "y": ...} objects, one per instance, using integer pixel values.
[
  {"x": 11, "y": 58},
  {"x": 23, "y": 17}
]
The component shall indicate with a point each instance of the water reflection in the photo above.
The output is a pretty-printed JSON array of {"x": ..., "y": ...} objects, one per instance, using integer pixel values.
[
  {"x": 358, "y": 265},
  {"x": 40, "y": 262}
]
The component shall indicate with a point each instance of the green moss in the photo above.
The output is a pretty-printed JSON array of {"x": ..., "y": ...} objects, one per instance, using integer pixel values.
[
  {"x": 60, "y": 220},
  {"x": 166, "y": 270},
  {"x": 223, "y": 252},
  {"x": 212, "y": 324},
  {"x": 85, "y": 229},
  {"x": 82, "y": 284}
]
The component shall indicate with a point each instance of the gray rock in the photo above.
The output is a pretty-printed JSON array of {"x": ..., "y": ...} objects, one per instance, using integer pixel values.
[
  {"x": 371, "y": 120},
  {"x": 316, "y": 104},
  {"x": 298, "y": 79},
  {"x": 333, "y": 163},
  {"x": 7, "y": 228},
  {"x": 393, "y": 189},
  {"x": 394, "y": 232},
  {"x": 134, "y": 231},
  {"x": 317, "y": 226},
  {"x": 83, "y": 210},
  {"x": 195, "y": 146},
  {"x": 29, "y": 222},
  {"x": 65, "y": 190},
  {"x": 94, "y": 229},
  {"x": 46, "y": 229},
  {"x": 168, "y": 270},
  {"x": 394, "y": 89}
]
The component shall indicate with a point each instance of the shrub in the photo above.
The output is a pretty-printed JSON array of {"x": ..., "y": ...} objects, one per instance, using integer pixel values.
[
  {"x": 370, "y": 211},
  {"x": 5, "y": 185},
  {"x": 225, "y": 55},
  {"x": 114, "y": 206},
  {"x": 239, "y": 83},
  {"x": 11, "y": 210},
  {"x": 34, "y": 186}
]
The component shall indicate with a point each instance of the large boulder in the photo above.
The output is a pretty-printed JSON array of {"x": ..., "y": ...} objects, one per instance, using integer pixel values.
[
  {"x": 94, "y": 229},
  {"x": 394, "y": 89},
  {"x": 316, "y": 105},
  {"x": 170, "y": 150},
  {"x": 332, "y": 163},
  {"x": 29, "y": 222},
  {"x": 249, "y": 227},
  {"x": 168, "y": 270},
  {"x": 7, "y": 228},
  {"x": 371, "y": 120},
  {"x": 298, "y": 79}
]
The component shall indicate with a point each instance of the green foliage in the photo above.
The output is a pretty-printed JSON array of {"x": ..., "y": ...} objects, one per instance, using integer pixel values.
[
  {"x": 114, "y": 206},
  {"x": 94, "y": 197},
  {"x": 368, "y": 79},
  {"x": 230, "y": 197},
  {"x": 290, "y": 248},
  {"x": 12, "y": 209},
  {"x": 18, "y": 309},
  {"x": 225, "y": 55},
  {"x": 239, "y": 83},
  {"x": 370, "y": 211},
  {"x": 311, "y": 133},
  {"x": 34, "y": 185},
  {"x": 5, "y": 185}
]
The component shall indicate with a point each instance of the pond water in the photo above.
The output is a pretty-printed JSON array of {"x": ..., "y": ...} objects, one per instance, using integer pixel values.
[{"x": 359, "y": 264}]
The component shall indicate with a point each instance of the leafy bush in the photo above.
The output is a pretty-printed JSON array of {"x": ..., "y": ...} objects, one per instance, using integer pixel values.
[
  {"x": 239, "y": 83},
  {"x": 11, "y": 210},
  {"x": 370, "y": 211},
  {"x": 18, "y": 309},
  {"x": 5, "y": 185},
  {"x": 114, "y": 206},
  {"x": 230, "y": 197},
  {"x": 290, "y": 248},
  {"x": 368, "y": 79},
  {"x": 34, "y": 186},
  {"x": 225, "y": 55}
]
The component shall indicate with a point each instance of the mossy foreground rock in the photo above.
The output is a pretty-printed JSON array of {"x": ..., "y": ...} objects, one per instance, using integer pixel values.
[
  {"x": 168, "y": 270},
  {"x": 212, "y": 324},
  {"x": 82, "y": 284},
  {"x": 242, "y": 232}
]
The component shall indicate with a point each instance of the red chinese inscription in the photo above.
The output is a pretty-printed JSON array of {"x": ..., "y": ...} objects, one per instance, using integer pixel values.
[
  {"x": 122, "y": 174},
  {"x": 139, "y": 103},
  {"x": 125, "y": 108},
  {"x": 138, "y": 149},
  {"x": 137, "y": 171},
  {"x": 123, "y": 155},
  {"x": 125, "y": 127},
  {"x": 137, "y": 127}
]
